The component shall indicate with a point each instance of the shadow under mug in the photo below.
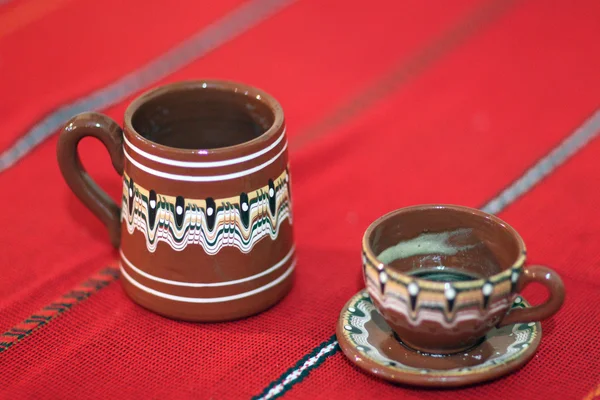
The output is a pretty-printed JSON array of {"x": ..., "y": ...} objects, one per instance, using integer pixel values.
[
  {"x": 442, "y": 276},
  {"x": 204, "y": 229}
]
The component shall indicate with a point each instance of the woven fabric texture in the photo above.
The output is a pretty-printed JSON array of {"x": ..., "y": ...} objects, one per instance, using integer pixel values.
[{"x": 388, "y": 104}]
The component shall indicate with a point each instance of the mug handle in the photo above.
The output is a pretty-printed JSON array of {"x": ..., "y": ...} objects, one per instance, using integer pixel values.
[
  {"x": 111, "y": 135},
  {"x": 556, "y": 290}
]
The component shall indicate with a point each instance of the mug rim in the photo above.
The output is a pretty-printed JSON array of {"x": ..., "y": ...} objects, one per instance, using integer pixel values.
[
  {"x": 517, "y": 265},
  {"x": 211, "y": 84}
]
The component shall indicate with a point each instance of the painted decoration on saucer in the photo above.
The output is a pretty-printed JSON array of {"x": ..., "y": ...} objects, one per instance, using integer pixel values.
[{"x": 369, "y": 342}]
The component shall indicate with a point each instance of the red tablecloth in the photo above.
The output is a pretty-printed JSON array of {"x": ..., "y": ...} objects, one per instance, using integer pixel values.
[{"x": 483, "y": 103}]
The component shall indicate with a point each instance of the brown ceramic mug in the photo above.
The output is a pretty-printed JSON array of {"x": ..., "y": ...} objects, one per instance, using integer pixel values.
[
  {"x": 205, "y": 225},
  {"x": 442, "y": 276}
]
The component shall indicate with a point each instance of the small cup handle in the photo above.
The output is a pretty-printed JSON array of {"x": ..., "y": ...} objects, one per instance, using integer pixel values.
[
  {"x": 556, "y": 290},
  {"x": 111, "y": 135}
]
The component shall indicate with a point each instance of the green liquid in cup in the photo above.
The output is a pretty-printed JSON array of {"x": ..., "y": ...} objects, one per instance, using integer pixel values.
[{"x": 443, "y": 275}]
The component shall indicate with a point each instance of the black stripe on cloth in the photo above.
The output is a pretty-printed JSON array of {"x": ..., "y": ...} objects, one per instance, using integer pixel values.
[
  {"x": 55, "y": 309},
  {"x": 576, "y": 141}
]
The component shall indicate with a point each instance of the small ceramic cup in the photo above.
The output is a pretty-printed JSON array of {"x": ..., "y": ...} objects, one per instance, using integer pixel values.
[
  {"x": 204, "y": 227},
  {"x": 442, "y": 276}
]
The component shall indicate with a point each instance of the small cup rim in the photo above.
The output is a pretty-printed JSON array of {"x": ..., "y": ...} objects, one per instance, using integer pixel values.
[
  {"x": 441, "y": 286},
  {"x": 214, "y": 84}
]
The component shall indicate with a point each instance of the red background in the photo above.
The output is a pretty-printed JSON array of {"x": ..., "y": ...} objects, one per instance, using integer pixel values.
[{"x": 388, "y": 104}]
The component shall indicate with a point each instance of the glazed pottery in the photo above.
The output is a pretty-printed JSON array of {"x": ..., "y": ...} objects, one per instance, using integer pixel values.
[
  {"x": 204, "y": 229},
  {"x": 369, "y": 342},
  {"x": 443, "y": 276}
]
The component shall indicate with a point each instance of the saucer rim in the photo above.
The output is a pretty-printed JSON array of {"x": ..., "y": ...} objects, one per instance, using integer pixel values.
[{"x": 438, "y": 380}]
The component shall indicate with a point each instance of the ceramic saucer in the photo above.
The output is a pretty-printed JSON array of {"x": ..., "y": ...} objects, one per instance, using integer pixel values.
[{"x": 368, "y": 341}]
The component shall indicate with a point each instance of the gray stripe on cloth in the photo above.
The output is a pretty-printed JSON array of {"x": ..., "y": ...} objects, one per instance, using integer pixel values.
[
  {"x": 567, "y": 148},
  {"x": 219, "y": 32},
  {"x": 406, "y": 70},
  {"x": 589, "y": 130}
]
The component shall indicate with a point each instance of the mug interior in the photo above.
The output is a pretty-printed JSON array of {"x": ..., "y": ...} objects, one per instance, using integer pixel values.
[
  {"x": 444, "y": 243},
  {"x": 202, "y": 117}
]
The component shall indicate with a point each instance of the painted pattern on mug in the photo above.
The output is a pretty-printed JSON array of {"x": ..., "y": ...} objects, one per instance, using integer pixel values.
[{"x": 240, "y": 221}]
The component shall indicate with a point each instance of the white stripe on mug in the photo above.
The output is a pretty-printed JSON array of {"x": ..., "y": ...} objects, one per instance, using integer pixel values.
[
  {"x": 204, "y": 164},
  {"x": 213, "y": 284},
  {"x": 208, "y": 300},
  {"x": 213, "y": 178}
]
